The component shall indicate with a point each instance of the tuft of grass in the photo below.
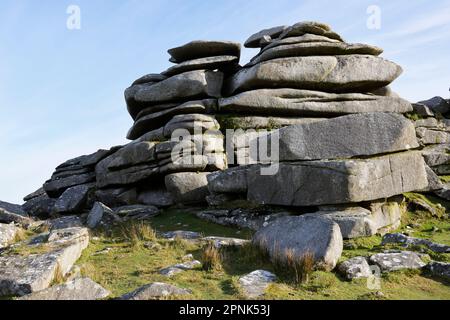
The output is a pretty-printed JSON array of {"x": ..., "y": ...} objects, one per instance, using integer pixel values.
[
  {"x": 301, "y": 267},
  {"x": 59, "y": 276},
  {"x": 211, "y": 258},
  {"x": 21, "y": 235},
  {"x": 137, "y": 232}
]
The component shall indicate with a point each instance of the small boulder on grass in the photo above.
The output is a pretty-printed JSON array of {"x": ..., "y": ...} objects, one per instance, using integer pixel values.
[
  {"x": 393, "y": 261},
  {"x": 355, "y": 268},
  {"x": 178, "y": 268},
  {"x": 77, "y": 289},
  {"x": 155, "y": 291},
  {"x": 255, "y": 284},
  {"x": 301, "y": 235}
]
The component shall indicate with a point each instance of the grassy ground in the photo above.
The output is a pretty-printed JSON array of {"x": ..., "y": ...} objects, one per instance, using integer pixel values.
[{"x": 129, "y": 264}]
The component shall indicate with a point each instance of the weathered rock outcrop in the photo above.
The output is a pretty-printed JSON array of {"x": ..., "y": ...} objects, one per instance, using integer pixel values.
[{"x": 21, "y": 275}]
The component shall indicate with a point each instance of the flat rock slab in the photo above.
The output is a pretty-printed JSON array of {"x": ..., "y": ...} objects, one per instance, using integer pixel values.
[
  {"x": 75, "y": 290},
  {"x": 186, "y": 235},
  {"x": 314, "y": 49},
  {"x": 208, "y": 63},
  {"x": 183, "y": 86},
  {"x": 310, "y": 27},
  {"x": 220, "y": 242},
  {"x": 20, "y": 275},
  {"x": 323, "y": 73},
  {"x": 411, "y": 241},
  {"x": 155, "y": 291},
  {"x": 346, "y": 137},
  {"x": 202, "y": 49},
  {"x": 179, "y": 268},
  {"x": 56, "y": 187},
  {"x": 137, "y": 212},
  {"x": 355, "y": 268},
  {"x": 254, "y": 40},
  {"x": 148, "y": 120},
  {"x": 296, "y": 102},
  {"x": 8, "y": 234},
  {"x": 338, "y": 182},
  {"x": 301, "y": 236},
  {"x": 255, "y": 284},
  {"x": 393, "y": 261},
  {"x": 65, "y": 222}
]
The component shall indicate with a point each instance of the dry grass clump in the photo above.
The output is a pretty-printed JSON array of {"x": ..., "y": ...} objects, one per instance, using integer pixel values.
[
  {"x": 300, "y": 267},
  {"x": 212, "y": 258},
  {"x": 138, "y": 232}
]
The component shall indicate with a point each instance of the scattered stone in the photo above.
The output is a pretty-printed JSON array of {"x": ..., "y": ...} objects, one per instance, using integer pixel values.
[
  {"x": 302, "y": 235},
  {"x": 355, "y": 268},
  {"x": 439, "y": 269},
  {"x": 78, "y": 289},
  {"x": 155, "y": 291},
  {"x": 393, "y": 261},
  {"x": 256, "y": 283},
  {"x": 410, "y": 241},
  {"x": 178, "y": 268}
]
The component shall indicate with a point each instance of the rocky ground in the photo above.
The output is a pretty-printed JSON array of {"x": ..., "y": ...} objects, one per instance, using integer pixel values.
[{"x": 61, "y": 259}]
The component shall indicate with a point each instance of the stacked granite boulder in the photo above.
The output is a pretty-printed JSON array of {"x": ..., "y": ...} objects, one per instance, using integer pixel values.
[
  {"x": 432, "y": 121},
  {"x": 345, "y": 147},
  {"x": 342, "y": 148},
  {"x": 71, "y": 188},
  {"x": 176, "y": 137}
]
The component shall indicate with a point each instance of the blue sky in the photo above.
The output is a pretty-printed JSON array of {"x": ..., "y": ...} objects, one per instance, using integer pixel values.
[{"x": 61, "y": 90}]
